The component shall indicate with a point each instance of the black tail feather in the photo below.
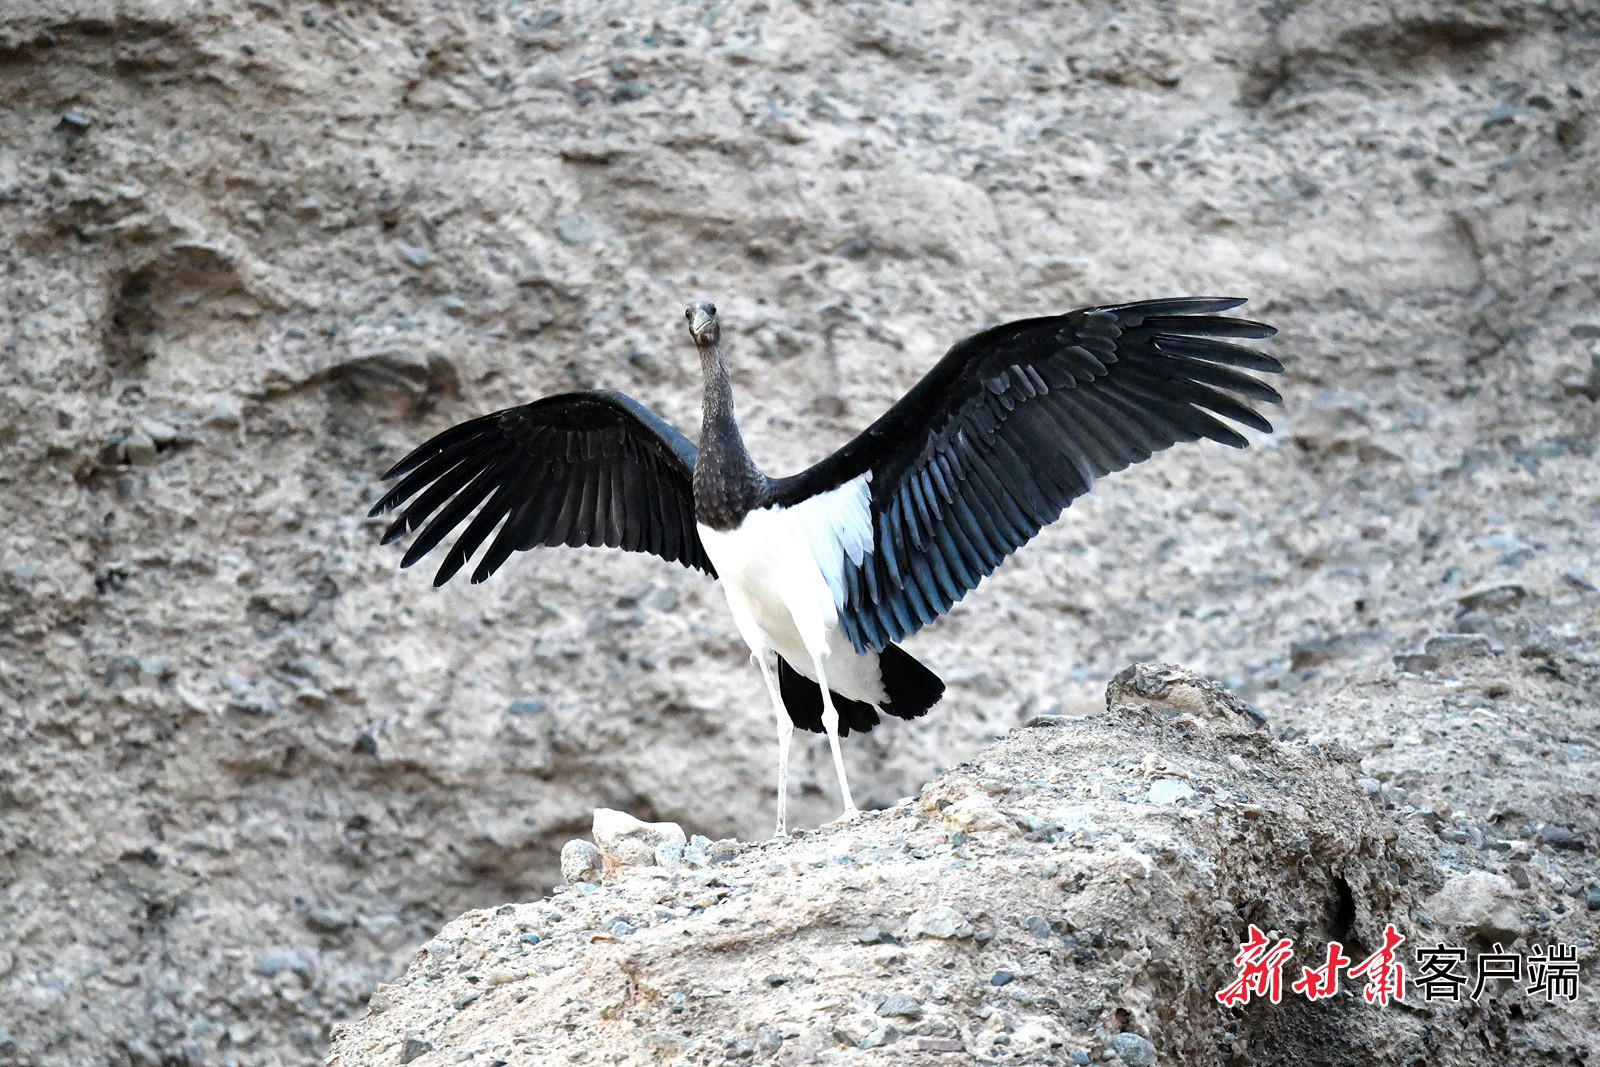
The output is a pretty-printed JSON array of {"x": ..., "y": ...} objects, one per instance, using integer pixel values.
[
  {"x": 912, "y": 689},
  {"x": 802, "y": 698}
]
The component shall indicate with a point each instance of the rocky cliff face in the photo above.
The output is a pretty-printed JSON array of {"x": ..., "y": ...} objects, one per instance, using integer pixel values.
[
  {"x": 252, "y": 252},
  {"x": 1076, "y": 894}
]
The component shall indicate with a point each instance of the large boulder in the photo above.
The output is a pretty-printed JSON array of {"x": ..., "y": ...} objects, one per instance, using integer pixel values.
[{"x": 1067, "y": 911}]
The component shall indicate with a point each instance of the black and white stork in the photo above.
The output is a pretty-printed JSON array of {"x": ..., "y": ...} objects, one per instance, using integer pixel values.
[{"x": 826, "y": 569}]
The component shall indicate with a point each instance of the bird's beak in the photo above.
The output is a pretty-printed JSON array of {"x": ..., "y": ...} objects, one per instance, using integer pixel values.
[
  {"x": 703, "y": 324},
  {"x": 699, "y": 322}
]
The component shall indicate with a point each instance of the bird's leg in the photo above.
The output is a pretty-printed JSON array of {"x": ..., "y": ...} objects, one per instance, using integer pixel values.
[
  {"x": 830, "y": 723},
  {"x": 785, "y": 734}
]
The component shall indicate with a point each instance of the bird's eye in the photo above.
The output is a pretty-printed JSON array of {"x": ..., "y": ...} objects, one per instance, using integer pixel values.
[
  {"x": 689, "y": 314},
  {"x": 711, "y": 308}
]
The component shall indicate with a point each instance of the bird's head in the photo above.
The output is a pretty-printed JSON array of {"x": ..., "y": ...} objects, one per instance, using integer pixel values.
[{"x": 702, "y": 316}]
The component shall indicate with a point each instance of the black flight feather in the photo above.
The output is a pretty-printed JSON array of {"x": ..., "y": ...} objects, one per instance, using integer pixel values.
[
  {"x": 580, "y": 468},
  {"x": 1016, "y": 422}
]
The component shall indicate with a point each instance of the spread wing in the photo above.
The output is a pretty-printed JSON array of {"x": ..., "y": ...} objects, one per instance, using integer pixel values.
[
  {"x": 580, "y": 468},
  {"x": 1014, "y": 424}
]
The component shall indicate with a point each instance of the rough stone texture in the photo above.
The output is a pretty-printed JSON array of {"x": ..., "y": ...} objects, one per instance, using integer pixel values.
[
  {"x": 253, "y": 251},
  {"x": 1480, "y": 904},
  {"x": 1114, "y": 934},
  {"x": 626, "y": 841},
  {"x": 1132, "y": 901},
  {"x": 581, "y": 861}
]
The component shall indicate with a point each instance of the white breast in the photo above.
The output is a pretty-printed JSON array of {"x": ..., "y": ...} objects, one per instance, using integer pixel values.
[{"x": 783, "y": 572}]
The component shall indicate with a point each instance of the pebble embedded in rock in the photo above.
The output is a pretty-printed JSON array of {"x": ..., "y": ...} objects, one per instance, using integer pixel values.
[
  {"x": 225, "y": 412},
  {"x": 1169, "y": 791},
  {"x": 852, "y": 1030},
  {"x": 974, "y": 814},
  {"x": 1415, "y": 662},
  {"x": 311, "y": 698},
  {"x": 1134, "y": 1050},
  {"x": 1073, "y": 818},
  {"x": 939, "y": 1044},
  {"x": 695, "y": 853},
  {"x": 627, "y": 841},
  {"x": 327, "y": 920},
  {"x": 417, "y": 257},
  {"x": 669, "y": 853},
  {"x": 1449, "y": 648},
  {"x": 271, "y": 964},
  {"x": 632, "y": 89},
  {"x": 883, "y": 1035},
  {"x": 574, "y": 230},
  {"x": 581, "y": 861},
  {"x": 139, "y": 449},
  {"x": 1483, "y": 905},
  {"x": 1001, "y": 978},
  {"x": 140, "y": 1054},
  {"x": 413, "y": 1047},
  {"x": 900, "y": 1005},
  {"x": 159, "y": 432},
  {"x": 940, "y": 922},
  {"x": 438, "y": 949},
  {"x": 1492, "y": 598},
  {"x": 1562, "y": 838}
]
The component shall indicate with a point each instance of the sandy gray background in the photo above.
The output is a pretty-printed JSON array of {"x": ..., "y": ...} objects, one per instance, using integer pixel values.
[{"x": 252, "y": 251}]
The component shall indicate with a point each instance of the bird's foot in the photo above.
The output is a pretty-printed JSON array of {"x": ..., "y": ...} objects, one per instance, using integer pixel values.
[
  {"x": 850, "y": 814},
  {"x": 780, "y": 834}
]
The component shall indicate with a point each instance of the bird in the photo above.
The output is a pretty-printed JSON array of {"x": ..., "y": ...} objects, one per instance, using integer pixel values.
[{"x": 827, "y": 570}]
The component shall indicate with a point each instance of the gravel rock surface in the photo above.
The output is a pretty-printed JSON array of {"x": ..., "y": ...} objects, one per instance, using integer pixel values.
[
  {"x": 1102, "y": 927},
  {"x": 253, "y": 252},
  {"x": 1088, "y": 923}
]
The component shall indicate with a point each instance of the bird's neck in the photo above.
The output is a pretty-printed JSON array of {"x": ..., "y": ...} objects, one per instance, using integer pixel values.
[{"x": 727, "y": 484}]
